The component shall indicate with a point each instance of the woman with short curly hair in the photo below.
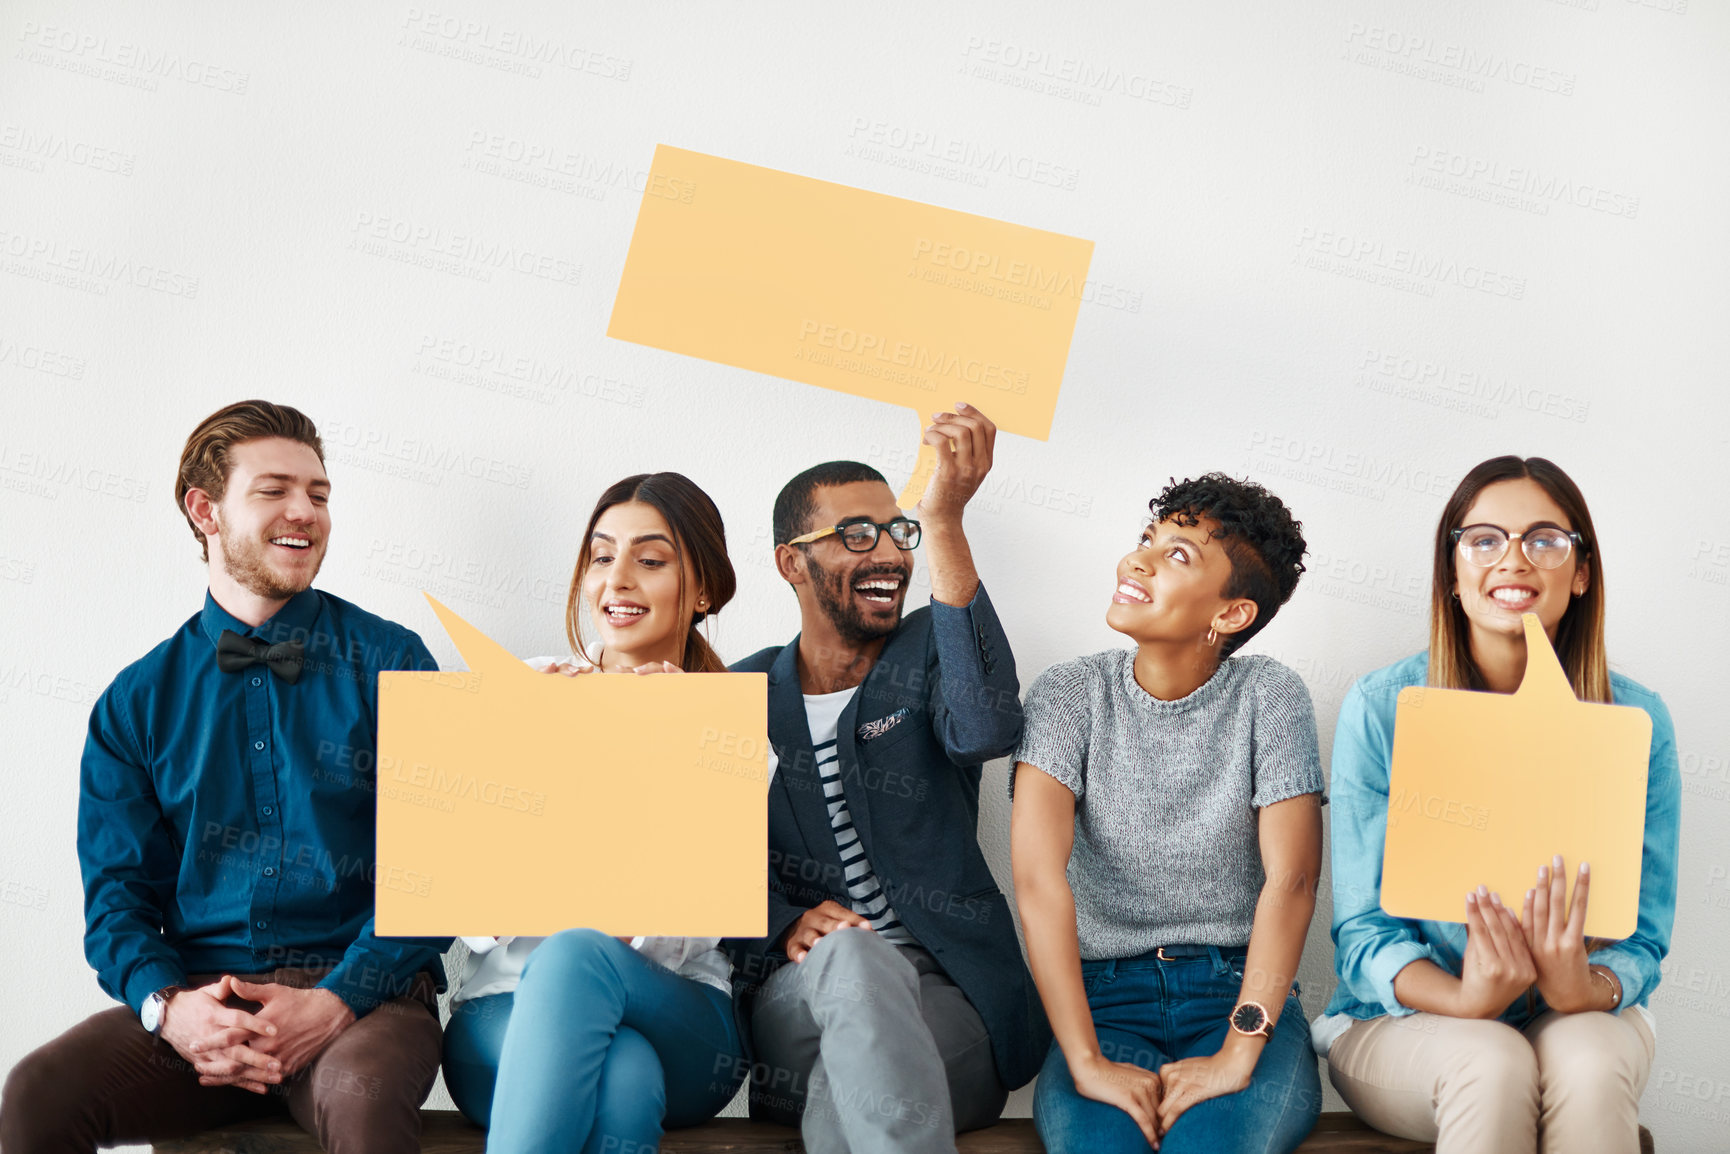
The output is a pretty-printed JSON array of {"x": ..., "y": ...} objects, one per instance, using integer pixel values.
[{"x": 1166, "y": 837}]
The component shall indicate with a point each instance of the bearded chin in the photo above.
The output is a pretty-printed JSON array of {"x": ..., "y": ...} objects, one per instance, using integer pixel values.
[
  {"x": 843, "y": 614},
  {"x": 246, "y": 562}
]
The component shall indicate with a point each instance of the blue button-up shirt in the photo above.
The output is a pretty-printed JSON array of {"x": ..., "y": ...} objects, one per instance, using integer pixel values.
[
  {"x": 1371, "y": 946},
  {"x": 226, "y": 820}
]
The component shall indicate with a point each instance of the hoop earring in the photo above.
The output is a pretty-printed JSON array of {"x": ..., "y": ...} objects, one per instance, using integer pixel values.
[{"x": 1212, "y": 637}]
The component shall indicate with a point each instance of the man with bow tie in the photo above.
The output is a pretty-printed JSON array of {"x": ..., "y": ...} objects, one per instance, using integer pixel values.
[
  {"x": 889, "y": 1006},
  {"x": 226, "y": 839}
]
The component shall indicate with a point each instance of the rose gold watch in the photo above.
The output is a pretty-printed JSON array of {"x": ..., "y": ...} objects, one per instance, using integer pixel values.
[{"x": 1250, "y": 1019}]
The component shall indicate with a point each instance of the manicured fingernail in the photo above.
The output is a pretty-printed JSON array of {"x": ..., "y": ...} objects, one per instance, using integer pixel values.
[
  {"x": 1543, "y": 873},
  {"x": 1585, "y": 869},
  {"x": 1471, "y": 898},
  {"x": 1483, "y": 892},
  {"x": 1557, "y": 862},
  {"x": 1496, "y": 900},
  {"x": 1530, "y": 894}
]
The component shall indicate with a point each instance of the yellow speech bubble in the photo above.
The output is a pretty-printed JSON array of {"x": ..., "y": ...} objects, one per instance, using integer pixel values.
[
  {"x": 1486, "y": 787},
  {"x": 852, "y": 290},
  {"x": 517, "y": 802}
]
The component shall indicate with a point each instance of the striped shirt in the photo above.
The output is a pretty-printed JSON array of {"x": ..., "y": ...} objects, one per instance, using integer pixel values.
[{"x": 866, "y": 897}]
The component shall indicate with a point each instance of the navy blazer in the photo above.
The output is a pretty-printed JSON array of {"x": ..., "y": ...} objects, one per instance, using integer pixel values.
[{"x": 941, "y": 699}]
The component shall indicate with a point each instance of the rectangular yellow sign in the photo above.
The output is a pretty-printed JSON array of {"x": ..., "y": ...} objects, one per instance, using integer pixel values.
[
  {"x": 517, "y": 802},
  {"x": 851, "y": 290}
]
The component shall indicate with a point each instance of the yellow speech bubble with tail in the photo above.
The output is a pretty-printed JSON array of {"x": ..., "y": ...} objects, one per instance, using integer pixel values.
[
  {"x": 1487, "y": 787},
  {"x": 517, "y": 802}
]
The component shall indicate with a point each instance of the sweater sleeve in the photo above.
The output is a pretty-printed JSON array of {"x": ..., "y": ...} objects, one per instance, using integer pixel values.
[{"x": 1054, "y": 738}]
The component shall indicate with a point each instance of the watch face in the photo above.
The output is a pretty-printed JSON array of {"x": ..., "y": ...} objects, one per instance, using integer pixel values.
[
  {"x": 1248, "y": 1018},
  {"x": 151, "y": 1013}
]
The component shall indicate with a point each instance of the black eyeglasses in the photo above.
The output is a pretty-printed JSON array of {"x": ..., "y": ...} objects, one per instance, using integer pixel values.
[
  {"x": 859, "y": 534},
  {"x": 1546, "y": 546}
]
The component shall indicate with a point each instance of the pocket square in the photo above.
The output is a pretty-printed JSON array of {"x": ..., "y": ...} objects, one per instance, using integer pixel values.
[{"x": 874, "y": 729}]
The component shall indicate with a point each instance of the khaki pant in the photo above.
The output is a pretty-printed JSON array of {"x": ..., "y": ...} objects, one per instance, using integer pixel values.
[
  {"x": 105, "y": 1082},
  {"x": 1567, "y": 1084}
]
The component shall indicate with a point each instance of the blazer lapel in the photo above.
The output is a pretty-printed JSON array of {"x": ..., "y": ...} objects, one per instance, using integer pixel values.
[{"x": 797, "y": 774}]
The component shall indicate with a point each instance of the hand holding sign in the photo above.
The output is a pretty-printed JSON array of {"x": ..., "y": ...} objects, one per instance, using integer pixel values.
[
  {"x": 1485, "y": 785},
  {"x": 964, "y": 441}
]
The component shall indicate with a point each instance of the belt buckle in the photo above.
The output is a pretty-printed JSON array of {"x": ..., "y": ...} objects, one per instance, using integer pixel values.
[{"x": 1159, "y": 953}]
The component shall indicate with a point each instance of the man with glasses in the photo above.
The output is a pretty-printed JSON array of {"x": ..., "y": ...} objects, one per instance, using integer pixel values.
[{"x": 889, "y": 1006}]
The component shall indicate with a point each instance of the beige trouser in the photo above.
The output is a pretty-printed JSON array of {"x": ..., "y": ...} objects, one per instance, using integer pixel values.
[{"x": 1568, "y": 1084}]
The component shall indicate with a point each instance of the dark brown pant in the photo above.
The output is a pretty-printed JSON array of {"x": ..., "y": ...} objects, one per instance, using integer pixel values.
[{"x": 105, "y": 1082}]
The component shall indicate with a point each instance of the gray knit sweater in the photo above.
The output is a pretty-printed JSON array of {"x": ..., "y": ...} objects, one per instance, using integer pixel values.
[{"x": 1166, "y": 851}]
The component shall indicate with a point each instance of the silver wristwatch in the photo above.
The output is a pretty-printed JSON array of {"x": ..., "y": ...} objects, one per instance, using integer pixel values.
[{"x": 155, "y": 1008}]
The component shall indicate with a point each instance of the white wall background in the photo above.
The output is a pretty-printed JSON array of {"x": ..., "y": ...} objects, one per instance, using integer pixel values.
[{"x": 179, "y": 200}]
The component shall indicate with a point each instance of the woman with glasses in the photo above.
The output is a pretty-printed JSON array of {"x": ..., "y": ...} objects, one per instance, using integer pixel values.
[
  {"x": 581, "y": 1041},
  {"x": 1508, "y": 1030}
]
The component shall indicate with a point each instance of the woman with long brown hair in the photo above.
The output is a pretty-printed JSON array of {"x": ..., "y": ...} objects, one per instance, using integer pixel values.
[
  {"x": 1508, "y": 1031},
  {"x": 581, "y": 1041}
]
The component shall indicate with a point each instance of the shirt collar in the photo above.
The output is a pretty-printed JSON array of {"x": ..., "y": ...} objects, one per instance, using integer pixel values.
[{"x": 295, "y": 618}]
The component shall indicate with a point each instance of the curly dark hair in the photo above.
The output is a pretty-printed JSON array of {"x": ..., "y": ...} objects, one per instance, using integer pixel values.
[{"x": 1261, "y": 538}]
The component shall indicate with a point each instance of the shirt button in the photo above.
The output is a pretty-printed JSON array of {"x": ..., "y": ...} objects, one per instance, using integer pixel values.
[
  {"x": 266, "y": 811},
  {"x": 258, "y": 745},
  {"x": 257, "y": 681},
  {"x": 269, "y": 871},
  {"x": 260, "y": 925}
]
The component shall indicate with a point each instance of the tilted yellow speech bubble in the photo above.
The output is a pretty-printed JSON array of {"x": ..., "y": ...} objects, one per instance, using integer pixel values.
[
  {"x": 518, "y": 802},
  {"x": 1486, "y": 787},
  {"x": 852, "y": 290}
]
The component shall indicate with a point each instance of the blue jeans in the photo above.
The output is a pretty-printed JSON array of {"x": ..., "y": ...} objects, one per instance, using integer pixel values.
[
  {"x": 596, "y": 1049},
  {"x": 1147, "y": 1013}
]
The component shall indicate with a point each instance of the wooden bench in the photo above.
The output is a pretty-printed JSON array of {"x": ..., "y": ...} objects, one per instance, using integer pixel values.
[{"x": 446, "y": 1133}]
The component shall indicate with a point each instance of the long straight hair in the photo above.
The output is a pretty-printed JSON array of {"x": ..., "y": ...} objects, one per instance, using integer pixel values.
[
  {"x": 699, "y": 538},
  {"x": 1580, "y": 635}
]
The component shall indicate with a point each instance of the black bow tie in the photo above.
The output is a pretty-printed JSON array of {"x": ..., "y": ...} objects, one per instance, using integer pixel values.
[{"x": 234, "y": 653}]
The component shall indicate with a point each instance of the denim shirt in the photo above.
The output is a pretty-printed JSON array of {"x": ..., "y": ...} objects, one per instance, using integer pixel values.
[
  {"x": 226, "y": 820},
  {"x": 1371, "y": 946}
]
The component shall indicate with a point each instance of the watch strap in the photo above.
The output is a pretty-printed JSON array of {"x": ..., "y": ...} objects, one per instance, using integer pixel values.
[{"x": 162, "y": 997}]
